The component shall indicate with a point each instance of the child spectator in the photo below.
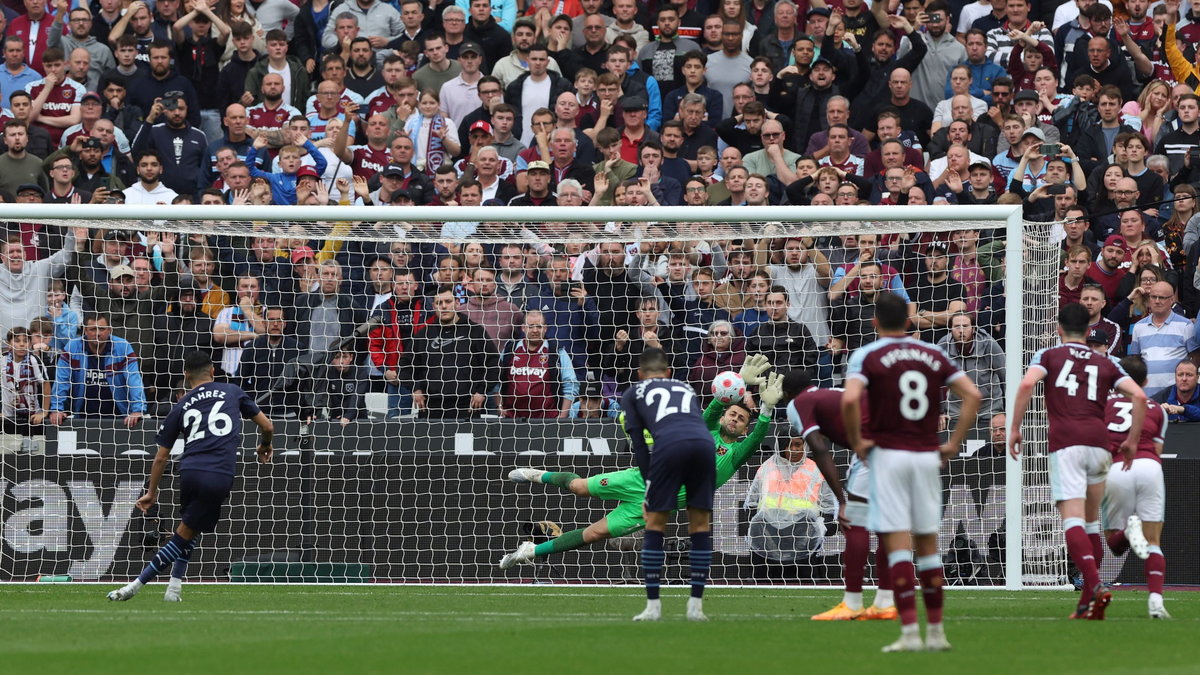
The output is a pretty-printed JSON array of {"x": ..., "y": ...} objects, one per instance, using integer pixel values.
[
  {"x": 66, "y": 320},
  {"x": 25, "y": 392},
  {"x": 283, "y": 182},
  {"x": 339, "y": 388}
]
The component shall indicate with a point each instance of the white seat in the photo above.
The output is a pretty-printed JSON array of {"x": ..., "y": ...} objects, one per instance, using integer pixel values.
[{"x": 377, "y": 404}]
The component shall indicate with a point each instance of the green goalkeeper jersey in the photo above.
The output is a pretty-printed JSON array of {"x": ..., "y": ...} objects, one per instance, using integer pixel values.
[
  {"x": 628, "y": 488},
  {"x": 732, "y": 456}
]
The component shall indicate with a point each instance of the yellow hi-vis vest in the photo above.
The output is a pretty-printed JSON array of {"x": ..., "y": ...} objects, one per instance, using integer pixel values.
[{"x": 797, "y": 490}]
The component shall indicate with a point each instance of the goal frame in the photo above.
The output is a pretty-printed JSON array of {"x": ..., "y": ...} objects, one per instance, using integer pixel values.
[{"x": 1010, "y": 215}]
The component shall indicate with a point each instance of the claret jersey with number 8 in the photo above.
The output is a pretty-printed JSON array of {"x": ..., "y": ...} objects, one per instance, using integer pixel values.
[{"x": 904, "y": 379}]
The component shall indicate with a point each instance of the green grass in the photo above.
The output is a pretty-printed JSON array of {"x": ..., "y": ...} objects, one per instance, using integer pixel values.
[{"x": 226, "y": 629}]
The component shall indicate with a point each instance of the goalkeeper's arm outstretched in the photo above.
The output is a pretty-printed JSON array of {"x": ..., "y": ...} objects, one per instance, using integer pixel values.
[{"x": 728, "y": 424}]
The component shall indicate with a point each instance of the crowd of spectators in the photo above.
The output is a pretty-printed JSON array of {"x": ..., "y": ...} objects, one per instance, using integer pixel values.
[{"x": 1090, "y": 120}]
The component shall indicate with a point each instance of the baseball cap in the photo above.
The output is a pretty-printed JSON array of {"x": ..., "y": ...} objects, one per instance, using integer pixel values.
[
  {"x": 1026, "y": 95},
  {"x": 938, "y": 246},
  {"x": 399, "y": 194},
  {"x": 1115, "y": 240},
  {"x": 301, "y": 253},
  {"x": 120, "y": 271},
  {"x": 31, "y": 186},
  {"x": 91, "y": 96},
  {"x": 392, "y": 171},
  {"x": 1036, "y": 133},
  {"x": 1098, "y": 335},
  {"x": 538, "y": 165},
  {"x": 980, "y": 162},
  {"x": 821, "y": 60},
  {"x": 471, "y": 47},
  {"x": 307, "y": 172},
  {"x": 634, "y": 102},
  {"x": 819, "y": 11},
  {"x": 485, "y": 127}
]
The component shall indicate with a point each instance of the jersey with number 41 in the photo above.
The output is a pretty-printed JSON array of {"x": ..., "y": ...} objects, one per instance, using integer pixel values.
[
  {"x": 210, "y": 419},
  {"x": 904, "y": 379},
  {"x": 1118, "y": 413},
  {"x": 1077, "y": 384}
]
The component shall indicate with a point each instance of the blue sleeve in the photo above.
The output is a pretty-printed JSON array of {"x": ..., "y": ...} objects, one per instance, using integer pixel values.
[
  {"x": 318, "y": 158},
  {"x": 252, "y": 163},
  {"x": 133, "y": 382},
  {"x": 855, "y": 365},
  {"x": 566, "y": 369},
  {"x": 634, "y": 426},
  {"x": 62, "y": 382},
  {"x": 168, "y": 432},
  {"x": 897, "y": 287},
  {"x": 1193, "y": 342},
  {"x": 716, "y": 106},
  {"x": 654, "y": 114},
  {"x": 247, "y": 406},
  {"x": 508, "y": 14},
  {"x": 838, "y": 274}
]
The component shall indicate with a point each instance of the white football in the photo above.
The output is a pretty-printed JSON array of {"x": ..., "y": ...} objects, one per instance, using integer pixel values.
[{"x": 728, "y": 387}]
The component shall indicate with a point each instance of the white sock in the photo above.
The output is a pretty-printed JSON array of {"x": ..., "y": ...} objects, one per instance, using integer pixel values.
[
  {"x": 175, "y": 584},
  {"x": 853, "y": 600},
  {"x": 654, "y": 604},
  {"x": 935, "y": 628},
  {"x": 912, "y": 629},
  {"x": 1156, "y": 599},
  {"x": 136, "y": 585},
  {"x": 697, "y": 603},
  {"x": 883, "y": 599}
]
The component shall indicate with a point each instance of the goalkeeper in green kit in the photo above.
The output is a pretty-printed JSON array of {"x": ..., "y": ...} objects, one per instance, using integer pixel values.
[{"x": 728, "y": 423}]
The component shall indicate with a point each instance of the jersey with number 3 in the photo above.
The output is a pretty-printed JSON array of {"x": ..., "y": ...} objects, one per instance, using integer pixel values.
[
  {"x": 1118, "y": 415},
  {"x": 904, "y": 379},
  {"x": 209, "y": 418},
  {"x": 1077, "y": 384}
]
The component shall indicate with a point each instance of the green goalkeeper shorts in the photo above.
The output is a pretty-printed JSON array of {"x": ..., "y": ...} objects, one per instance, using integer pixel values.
[{"x": 627, "y": 487}]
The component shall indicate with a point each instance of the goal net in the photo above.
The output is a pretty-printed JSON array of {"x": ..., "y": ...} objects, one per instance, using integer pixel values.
[{"x": 412, "y": 358}]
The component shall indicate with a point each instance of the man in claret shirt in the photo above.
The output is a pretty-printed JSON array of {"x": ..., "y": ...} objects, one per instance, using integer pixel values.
[
  {"x": 272, "y": 113},
  {"x": 370, "y": 158},
  {"x": 55, "y": 98}
]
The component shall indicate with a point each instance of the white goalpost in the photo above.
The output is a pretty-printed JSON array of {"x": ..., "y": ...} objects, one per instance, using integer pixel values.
[{"x": 392, "y": 458}]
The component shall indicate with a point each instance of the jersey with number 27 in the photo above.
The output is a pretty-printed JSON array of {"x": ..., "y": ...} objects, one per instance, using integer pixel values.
[
  {"x": 668, "y": 409},
  {"x": 209, "y": 418},
  {"x": 1077, "y": 384},
  {"x": 904, "y": 379}
]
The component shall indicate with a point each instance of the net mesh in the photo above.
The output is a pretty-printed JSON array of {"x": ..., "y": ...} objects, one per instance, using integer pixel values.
[{"x": 400, "y": 419}]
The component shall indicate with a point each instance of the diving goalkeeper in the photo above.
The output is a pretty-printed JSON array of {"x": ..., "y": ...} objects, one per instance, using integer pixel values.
[{"x": 727, "y": 423}]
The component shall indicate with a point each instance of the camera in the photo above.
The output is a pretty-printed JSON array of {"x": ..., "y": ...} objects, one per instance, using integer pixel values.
[
  {"x": 1051, "y": 149},
  {"x": 1056, "y": 189},
  {"x": 1194, "y": 154}
]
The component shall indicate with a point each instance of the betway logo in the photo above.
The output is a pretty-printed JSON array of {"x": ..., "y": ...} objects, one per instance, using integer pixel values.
[
  {"x": 60, "y": 106},
  {"x": 49, "y": 509},
  {"x": 464, "y": 444}
]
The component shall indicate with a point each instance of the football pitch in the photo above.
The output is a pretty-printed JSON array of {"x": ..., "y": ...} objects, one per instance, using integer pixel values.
[{"x": 540, "y": 629}]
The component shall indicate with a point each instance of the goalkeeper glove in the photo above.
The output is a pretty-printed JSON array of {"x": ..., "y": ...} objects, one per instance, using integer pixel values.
[
  {"x": 753, "y": 368},
  {"x": 770, "y": 393}
]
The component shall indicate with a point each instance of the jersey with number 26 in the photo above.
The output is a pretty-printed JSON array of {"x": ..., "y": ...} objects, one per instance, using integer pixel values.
[
  {"x": 1077, "y": 384},
  {"x": 904, "y": 379},
  {"x": 209, "y": 418}
]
